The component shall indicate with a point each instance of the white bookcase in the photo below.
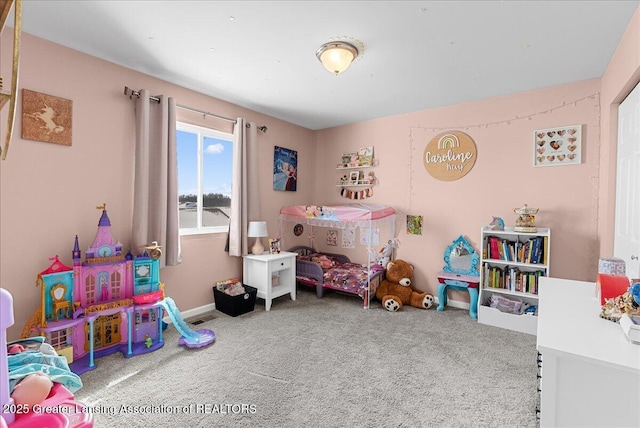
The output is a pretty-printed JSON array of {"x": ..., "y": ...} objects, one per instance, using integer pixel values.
[{"x": 511, "y": 264}]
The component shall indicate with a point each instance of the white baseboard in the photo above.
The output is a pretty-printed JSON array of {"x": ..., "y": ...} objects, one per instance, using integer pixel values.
[
  {"x": 190, "y": 313},
  {"x": 453, "y": 303}
]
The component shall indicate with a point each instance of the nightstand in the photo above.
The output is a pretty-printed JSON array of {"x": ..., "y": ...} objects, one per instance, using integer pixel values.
[{"x": 259, "y": 271}]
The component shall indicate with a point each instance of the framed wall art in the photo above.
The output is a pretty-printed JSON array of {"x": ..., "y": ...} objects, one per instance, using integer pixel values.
[
  {"x": 46, "y": 118},
  {"x": 332, "y": 237},
  {"x": 414, "y": 225},
  {"x": 557, "y": 146},
  {"x": 285, "y": 169}
]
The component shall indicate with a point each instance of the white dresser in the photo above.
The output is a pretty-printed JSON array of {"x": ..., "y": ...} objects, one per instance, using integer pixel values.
[
  {"x": 261, "y": 271},
  {"x": 590, "y": 370}
]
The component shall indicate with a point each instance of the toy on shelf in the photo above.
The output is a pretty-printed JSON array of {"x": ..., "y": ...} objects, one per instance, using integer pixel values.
[
  {"x": 108, "y": 302},
  {"x": 526, "y": 219},
  {"x": 36, "y": 399},
  {"x": 496, "y": 224}
]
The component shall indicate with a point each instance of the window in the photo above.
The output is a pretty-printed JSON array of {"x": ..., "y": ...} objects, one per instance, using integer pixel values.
[{"x": 205, "y": 160}]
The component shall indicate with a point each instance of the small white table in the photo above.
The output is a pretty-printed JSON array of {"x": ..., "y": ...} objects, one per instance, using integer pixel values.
[{"x": 258, "y": 271}]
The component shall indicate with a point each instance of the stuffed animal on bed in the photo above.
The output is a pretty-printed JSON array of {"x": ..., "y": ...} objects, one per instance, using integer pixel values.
[
  {"x": 385, "y": 253},
  {"x": 395, "y": 290}
]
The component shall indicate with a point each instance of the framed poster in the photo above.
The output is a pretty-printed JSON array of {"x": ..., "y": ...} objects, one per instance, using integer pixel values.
[
  {"x": 557, "y": 146},
  {"x": 285, "y": 169}
]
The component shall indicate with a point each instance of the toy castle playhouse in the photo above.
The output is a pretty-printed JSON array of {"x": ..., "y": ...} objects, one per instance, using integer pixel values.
[{"x": 107, "y": 303}]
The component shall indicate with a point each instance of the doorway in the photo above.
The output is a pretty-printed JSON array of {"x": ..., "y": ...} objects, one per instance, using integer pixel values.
[{"x": 627, "y": 217}]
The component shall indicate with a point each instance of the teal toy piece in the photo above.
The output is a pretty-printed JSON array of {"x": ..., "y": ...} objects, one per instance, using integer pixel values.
[{"x": 190, "y": 338}]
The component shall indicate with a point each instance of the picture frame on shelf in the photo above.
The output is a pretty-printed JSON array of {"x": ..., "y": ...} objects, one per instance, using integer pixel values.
[
  {"x": 365, "y": 156},
  {"x": 274, "y": 246},
  {"x": 346, "y": 159},
  {"x": 354, "y": 177}
]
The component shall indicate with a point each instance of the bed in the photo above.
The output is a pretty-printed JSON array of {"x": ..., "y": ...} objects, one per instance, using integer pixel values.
[
  {"x": 324, "y": 270},
  {"x": 336, "y": 272}
]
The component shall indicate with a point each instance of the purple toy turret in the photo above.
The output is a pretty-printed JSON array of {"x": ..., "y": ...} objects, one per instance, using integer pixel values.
[{"x": 77, "y": 254}]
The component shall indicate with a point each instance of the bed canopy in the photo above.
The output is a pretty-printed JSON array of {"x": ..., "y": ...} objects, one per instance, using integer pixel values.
[{"x": 347, "y": 216}]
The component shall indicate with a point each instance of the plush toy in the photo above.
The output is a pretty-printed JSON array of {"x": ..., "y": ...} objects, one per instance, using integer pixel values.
[
  {"x": 385, "y": 253},
  {"x": 395, "y": 290},
  {"x": 31, "y": 390}
]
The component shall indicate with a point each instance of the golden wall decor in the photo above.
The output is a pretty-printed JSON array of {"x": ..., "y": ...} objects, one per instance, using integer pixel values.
[
  {"x": 450, "y": 155},
  {"x": 46, "y": 118}
]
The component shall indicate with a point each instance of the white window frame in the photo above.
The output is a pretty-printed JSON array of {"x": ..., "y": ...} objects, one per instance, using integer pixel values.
[{"x": 202, "y": 132}]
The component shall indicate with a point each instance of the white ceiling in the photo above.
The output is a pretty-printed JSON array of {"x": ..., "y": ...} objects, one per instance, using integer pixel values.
[{"x": 417, "y": 54}]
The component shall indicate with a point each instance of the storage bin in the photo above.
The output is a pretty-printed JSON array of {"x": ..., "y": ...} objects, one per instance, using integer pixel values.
[{"x": 235, "y": 305}]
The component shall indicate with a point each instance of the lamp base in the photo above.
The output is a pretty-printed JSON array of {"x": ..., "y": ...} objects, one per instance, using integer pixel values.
[{"x": 257, "y": 248}]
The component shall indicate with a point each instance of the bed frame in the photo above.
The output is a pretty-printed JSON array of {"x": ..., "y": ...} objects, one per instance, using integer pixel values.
[{"x": 309, "y": 273}]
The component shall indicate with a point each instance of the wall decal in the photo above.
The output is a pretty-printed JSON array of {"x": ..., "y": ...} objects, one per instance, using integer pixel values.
[{"x": 46, "y": 118}]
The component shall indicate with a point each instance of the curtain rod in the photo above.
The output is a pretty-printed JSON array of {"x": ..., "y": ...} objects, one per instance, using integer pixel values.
[{"x": 131, "y": 93}]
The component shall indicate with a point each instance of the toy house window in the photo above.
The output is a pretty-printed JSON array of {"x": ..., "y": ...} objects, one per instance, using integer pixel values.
[
  {"x": 90, "y": 289},
  {"x": 205, "y": 160},
  {"x": 115, "y": 285},
  {"x": 58, "y": 339}
]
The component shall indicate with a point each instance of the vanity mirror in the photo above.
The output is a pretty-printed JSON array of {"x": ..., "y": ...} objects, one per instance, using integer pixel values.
[
  {"x": 460, "y": 258},
  {"x": 460, "y": 273}
]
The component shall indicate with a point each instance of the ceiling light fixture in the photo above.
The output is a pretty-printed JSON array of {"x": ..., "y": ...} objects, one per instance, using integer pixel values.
[{"x": 337, "y": 56}]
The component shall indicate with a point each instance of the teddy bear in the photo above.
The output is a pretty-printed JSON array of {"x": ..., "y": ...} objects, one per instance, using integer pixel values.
[{"x": 395, "y": 290}]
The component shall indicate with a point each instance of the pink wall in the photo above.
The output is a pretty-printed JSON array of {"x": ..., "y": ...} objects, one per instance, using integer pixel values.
[
  {"x": 502, "y": 179},
  {"x": 49, "y": 192}
]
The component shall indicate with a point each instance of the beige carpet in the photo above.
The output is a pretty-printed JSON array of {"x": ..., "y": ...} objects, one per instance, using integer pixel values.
[{"x": 325, "y": 363}]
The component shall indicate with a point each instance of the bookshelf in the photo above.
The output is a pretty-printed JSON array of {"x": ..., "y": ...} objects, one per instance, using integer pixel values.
[{"x": 511, "y": 264}]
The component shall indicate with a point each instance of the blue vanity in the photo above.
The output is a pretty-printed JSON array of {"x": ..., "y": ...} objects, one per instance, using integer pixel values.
[{"x": 460, "y": 273}]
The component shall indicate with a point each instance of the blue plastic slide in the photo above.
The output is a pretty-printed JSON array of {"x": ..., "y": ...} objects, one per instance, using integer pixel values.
[{"x": 190, "y": 338}]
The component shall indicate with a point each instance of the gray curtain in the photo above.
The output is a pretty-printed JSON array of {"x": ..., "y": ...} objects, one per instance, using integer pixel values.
[
  {"x": 155, "y": 194},
  {"x": 245, "y": 197}
]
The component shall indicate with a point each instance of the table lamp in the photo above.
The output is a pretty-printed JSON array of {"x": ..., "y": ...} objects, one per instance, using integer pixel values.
[{"x": 257, "y": 229}]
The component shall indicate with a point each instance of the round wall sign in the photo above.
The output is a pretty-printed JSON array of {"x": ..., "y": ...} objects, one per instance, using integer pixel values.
[
  {"x": 450, "y": 155},
  {"x": 298, "y": 229}
]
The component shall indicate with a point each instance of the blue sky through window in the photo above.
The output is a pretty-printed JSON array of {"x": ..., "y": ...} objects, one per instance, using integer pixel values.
[{"x": 216, "y": 169}]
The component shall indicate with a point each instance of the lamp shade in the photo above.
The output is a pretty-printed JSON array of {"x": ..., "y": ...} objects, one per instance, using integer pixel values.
[
  {"x": 257, "y": 229},
  {"x": 337, "y": 56}
]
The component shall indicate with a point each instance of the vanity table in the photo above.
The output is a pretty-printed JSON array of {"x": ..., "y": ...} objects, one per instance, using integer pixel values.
[{"x": 459, "y": 273}]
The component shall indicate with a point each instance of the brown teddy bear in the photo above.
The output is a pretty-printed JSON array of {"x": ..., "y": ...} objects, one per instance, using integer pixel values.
[{"x": 395, "y": 290}]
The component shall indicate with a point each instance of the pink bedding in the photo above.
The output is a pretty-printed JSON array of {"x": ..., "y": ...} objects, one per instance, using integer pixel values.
[{"x": 344, "y": 276}]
